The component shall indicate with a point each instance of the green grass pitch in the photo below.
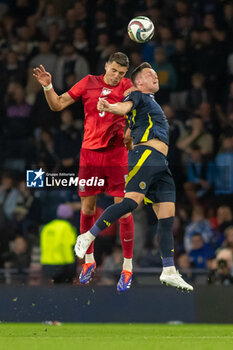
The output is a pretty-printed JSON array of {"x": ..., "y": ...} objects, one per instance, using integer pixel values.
[{"x": 77, "y": 336}]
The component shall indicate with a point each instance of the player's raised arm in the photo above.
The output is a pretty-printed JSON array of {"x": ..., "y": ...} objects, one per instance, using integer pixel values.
[
  {"x": 119, "y": 108},
  {"x": 55, "y": 102}
]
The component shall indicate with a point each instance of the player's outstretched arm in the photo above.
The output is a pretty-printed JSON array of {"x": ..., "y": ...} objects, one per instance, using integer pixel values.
[
  {"x": 119, "y": 108},
  {"x": 55, "y": 102}
]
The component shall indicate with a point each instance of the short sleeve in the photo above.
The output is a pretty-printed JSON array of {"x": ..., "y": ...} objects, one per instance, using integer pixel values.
[
  {"x": 77, "y": 90},
  {"x": 135, "y": 97}
]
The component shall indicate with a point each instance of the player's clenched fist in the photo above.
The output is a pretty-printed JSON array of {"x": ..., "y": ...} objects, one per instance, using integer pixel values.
[
  {"x": 43, "y": 77},
  {"x": 103, "y": 105}
]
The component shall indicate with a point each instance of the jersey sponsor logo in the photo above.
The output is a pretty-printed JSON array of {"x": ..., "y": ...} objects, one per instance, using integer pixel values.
[
  {"x": 142, "y": 185},
  {"x": 106, "y": 92}
]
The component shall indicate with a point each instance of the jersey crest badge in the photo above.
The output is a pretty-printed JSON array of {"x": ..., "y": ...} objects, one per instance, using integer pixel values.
[
  {"x": 106, "y": 91},
  {"x": 142, "y": 185}
]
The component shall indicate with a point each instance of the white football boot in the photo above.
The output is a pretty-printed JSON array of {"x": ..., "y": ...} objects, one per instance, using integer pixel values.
[
  {"x": 174, "y": 279},
  {"x": 82, "y": 244}
]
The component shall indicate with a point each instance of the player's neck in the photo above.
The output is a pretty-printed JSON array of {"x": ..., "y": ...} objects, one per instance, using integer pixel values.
[
  {"x": 145, "y": 91},
  {"x": 106, "y": 80}
]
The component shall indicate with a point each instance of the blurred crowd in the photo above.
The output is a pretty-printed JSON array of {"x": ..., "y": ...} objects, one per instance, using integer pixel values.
[{"x": 192, "y": 52}]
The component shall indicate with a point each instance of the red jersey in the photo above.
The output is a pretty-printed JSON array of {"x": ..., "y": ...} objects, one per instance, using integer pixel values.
[{"x": 101, "y": 129}]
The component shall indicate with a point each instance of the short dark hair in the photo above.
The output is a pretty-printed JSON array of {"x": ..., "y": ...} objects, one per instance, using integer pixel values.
[
  {"x": 138, "y": 70},
  {"x": 120, "y": 58}
]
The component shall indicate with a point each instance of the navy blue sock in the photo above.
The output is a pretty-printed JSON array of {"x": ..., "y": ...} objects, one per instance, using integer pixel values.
[
  {"x": 112, "y": 213},
  {"x": 166, "y": 241}
]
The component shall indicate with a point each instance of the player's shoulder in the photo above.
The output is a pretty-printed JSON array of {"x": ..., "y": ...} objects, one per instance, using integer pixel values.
[
  {"x": 126, "y": 83},
  {"x": 135, "y": 94},
  {"x": 93, "y": 81}
]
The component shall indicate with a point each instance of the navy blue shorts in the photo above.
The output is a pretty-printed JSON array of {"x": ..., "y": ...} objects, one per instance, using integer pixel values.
[{"x": 149, "y": 174}]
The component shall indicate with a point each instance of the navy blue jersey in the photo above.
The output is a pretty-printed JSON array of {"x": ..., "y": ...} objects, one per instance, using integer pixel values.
[{"x": 146, "y": 118}]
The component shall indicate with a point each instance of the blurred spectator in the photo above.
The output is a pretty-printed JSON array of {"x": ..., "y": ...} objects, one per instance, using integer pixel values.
[
  {"x": 224, "y": 168},
  {"x": 200, "y": 252},
  {"x": 197, "y": 94},
  {"x": 50, "y": 16},
  {"x": 197, "y": 136},
  {"x": 81, "y": 16},
  {"x": 57, "y": 241},
  {"x": 45, "y": 57},
  {"x": 105, "y": 54},
  {"x": 229, "y": 107},
  {"x": 101, "y": 48},
  {"x": 101, "y": 22},
  {"x": 70, "y": 23},
  {"x": 166, "y": 40},
  {"x": 198, "y": 224},
  {"x": 9, "y": 197},
  {"x": 55, "y": 38},
  {"x": 211, "y": 124},
  {"x": 166, "y": 74},
  {"x": 230, "y": 64},
  {"x": 135, "y": 59},
  {"x": 27, "y": 212},
  {"x": 11, "y": 71},
  {"x": 176, "y": 132},
  {"x": 151, "y": 257},
  {"x": 183, "y": 262},
  {"x": 67, "y": 143},
  {"x": 181, "y": 63},
  {"x": 223, "y": 220},
  {"x": 47, "y": 158},
  {"x": 18, "y": 124},
  {"x": 80, "y": 42},
  {"x": 68, "y": 63},
  {"x": 184, "y": 25},
  {"x": 224, "y": 269},
  {"x": 199, "y": 171},
  {"x": 114, "y": 261},
  {"x": 228, "y": 17},
  {"x": 228, "y": 243},
  {"x": 18, "y": 256}
]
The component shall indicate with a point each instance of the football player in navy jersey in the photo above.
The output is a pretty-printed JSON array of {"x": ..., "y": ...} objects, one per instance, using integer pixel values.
[{"x": 149, "y": 177}]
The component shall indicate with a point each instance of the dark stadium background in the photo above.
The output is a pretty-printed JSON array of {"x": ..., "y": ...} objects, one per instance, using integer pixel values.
[{"x": 192, "y": 52}]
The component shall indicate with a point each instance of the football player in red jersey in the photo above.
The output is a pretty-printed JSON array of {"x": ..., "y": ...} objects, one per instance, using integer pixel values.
[{"x": 103, "y": 153}]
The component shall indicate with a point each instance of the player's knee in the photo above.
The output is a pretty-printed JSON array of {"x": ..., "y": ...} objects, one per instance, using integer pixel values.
[
  {"x": 166, "y": 210},
  {"x": 88, "y": 208},
  {"x": 129, "y": 205}
]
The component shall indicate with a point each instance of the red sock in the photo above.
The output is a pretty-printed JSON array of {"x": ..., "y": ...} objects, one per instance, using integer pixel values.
[
  {"x": 127, "y": 236},
  {"x": 86, "y": 222}
]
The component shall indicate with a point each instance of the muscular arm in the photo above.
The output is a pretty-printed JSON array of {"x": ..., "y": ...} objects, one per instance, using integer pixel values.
[
  {"x": 58, "y": 103},
  {"x": 119, "y": 108},
  {"x": 55, "y": 102}
]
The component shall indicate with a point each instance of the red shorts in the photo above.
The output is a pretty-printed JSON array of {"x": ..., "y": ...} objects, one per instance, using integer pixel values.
[{"x": 103, "y": 171}]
